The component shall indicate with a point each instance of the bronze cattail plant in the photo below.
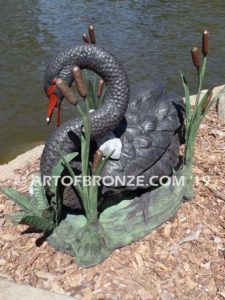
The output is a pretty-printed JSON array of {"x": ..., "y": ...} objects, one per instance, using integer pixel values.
[
  {"x": 91, "y": 31},
  {"x": 205, "y": 42},
  {"x": 195, "y": 52},
  {"x": 97, "y": 160},
  {"x": 78, "y": 77},
  {"x": 86, "y": 38},
  {"x": 202, "y": 105},
  {"x": 66, "y": 91},
  {"x": 100, "y": 87}
]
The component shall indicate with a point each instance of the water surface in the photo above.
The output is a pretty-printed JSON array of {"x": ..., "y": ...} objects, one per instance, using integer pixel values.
[{"x": 151, "y": 38}]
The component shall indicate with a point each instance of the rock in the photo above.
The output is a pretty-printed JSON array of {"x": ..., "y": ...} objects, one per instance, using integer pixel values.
[
  {"x": 21, "y": 161},
  {"x": 221, "y": 109},
  {"x": 2, "y": 221},
  {"x": 57, "y": 288},
  {"x": 216, "y": 132},
  {"x": 12, "y": 291},
  {"x": 206, "y": 265},
  {"x": 2, "y": 207},
  {"x": 9, "y": 237},
  {"x": 2, "y": 262},
  {"x": 44, "y": 275},
  {"x": 193, "y": 236},
  {"x": 217, "y": 240}
]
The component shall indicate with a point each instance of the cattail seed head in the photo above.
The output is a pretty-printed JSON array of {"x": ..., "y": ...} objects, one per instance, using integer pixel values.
[
  {"x": 78, "y": 77},
  {"x": 66, "y": 90},
  {"x": 100, "y": 87},
  {"x": 91, "y": 31},
  {"x": 86, "y": 38},
  {"x": 97, "y": 160},
  {"x": 195, "y": 52},
  {"x": 205, "y": 42}
]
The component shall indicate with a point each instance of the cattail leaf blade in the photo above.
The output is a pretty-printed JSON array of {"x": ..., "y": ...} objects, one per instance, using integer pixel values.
[{"x": 206, "y": 100}]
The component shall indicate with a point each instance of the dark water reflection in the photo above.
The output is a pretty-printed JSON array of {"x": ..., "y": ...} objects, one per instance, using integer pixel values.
[{"x": 151, "y": 38}]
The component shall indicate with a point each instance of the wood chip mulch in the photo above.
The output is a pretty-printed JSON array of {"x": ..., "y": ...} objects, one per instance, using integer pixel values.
[{"x": 183, "y": 259}]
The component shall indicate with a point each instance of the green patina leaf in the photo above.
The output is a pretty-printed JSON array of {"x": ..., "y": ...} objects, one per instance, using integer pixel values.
[
  {"x": 38, "y": 223},
  {"x": 49, "y": 213},
  {"x": 39, "y": 194},
  {"x": 59, "y": 167},
  {"x": 17, "y": 217},
  {"x": 22, "y": 200}
]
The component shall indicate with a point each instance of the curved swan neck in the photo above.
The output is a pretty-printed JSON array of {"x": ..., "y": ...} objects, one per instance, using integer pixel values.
[
  {"x": 105, "y": 65},
  {"x": 107, "y": 117}
]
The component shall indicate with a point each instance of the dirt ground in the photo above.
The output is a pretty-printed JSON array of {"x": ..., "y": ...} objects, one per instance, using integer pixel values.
[{"x": 182, "y": 259}]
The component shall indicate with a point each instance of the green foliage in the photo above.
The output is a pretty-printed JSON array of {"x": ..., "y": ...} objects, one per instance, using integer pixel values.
[
  {"x": 88, "y": 194},
  {"x": 17, "y": 197},
  {"x": 49, "y": 212},
  {"x": 38, "y": 223},
  {"x": 58, "y": 169},
  {"x": 37, "y": 211},
  {"x": 40, "y": 198},
  {"x": 91, "y": 82},
  {"x": 187, "y": 101},
  {"x": 56, "y": 204},
  {"x": 33, "y": 207},
  {"x": 17, "y": 217},
  {"x": 195, "y": 116}
]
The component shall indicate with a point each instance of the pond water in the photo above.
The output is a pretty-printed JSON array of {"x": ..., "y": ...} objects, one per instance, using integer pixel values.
[{"x": 151, "y": 38}]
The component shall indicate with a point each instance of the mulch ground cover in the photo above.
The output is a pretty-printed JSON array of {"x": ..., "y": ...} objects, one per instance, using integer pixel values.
[{"x": 183, "y": 259}]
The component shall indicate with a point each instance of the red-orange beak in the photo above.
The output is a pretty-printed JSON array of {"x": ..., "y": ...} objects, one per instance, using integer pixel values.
[{"x": 54, "y": 102}]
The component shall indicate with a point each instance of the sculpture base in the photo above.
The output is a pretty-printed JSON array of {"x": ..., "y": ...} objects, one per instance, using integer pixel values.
[{"x": 121, "y": 224}]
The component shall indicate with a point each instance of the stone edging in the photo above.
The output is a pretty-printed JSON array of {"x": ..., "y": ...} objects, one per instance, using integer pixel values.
[
  {"x": 20, "y": 162},
  {"x": 10, "y": 290}
]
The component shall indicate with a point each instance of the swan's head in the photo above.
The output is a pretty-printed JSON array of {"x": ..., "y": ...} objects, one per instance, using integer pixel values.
[
  {"x": 54, "y": 72},
  {"x": 55, "y": 98}
]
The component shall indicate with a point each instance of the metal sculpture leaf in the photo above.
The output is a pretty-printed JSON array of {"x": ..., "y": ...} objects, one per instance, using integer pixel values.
[
  {"x": 39, "y": 194},
  {"x": 59, "y": 167},
  {"x": 17, "y": 197},
  {"x": 17, "y": 217},
  {"x": 38, "y": 223}
]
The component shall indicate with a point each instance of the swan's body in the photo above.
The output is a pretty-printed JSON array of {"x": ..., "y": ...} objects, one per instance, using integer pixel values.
[
  {"x": 148, "y": 125},
  {"x": 151, "y": 140}
]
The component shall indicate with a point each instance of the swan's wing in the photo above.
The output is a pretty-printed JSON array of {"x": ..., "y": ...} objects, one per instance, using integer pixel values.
[{"x": 152, "y": 122}]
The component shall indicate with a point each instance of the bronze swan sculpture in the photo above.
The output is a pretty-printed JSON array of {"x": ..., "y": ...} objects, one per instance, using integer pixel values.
[{"x": 149, "y": 124}]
